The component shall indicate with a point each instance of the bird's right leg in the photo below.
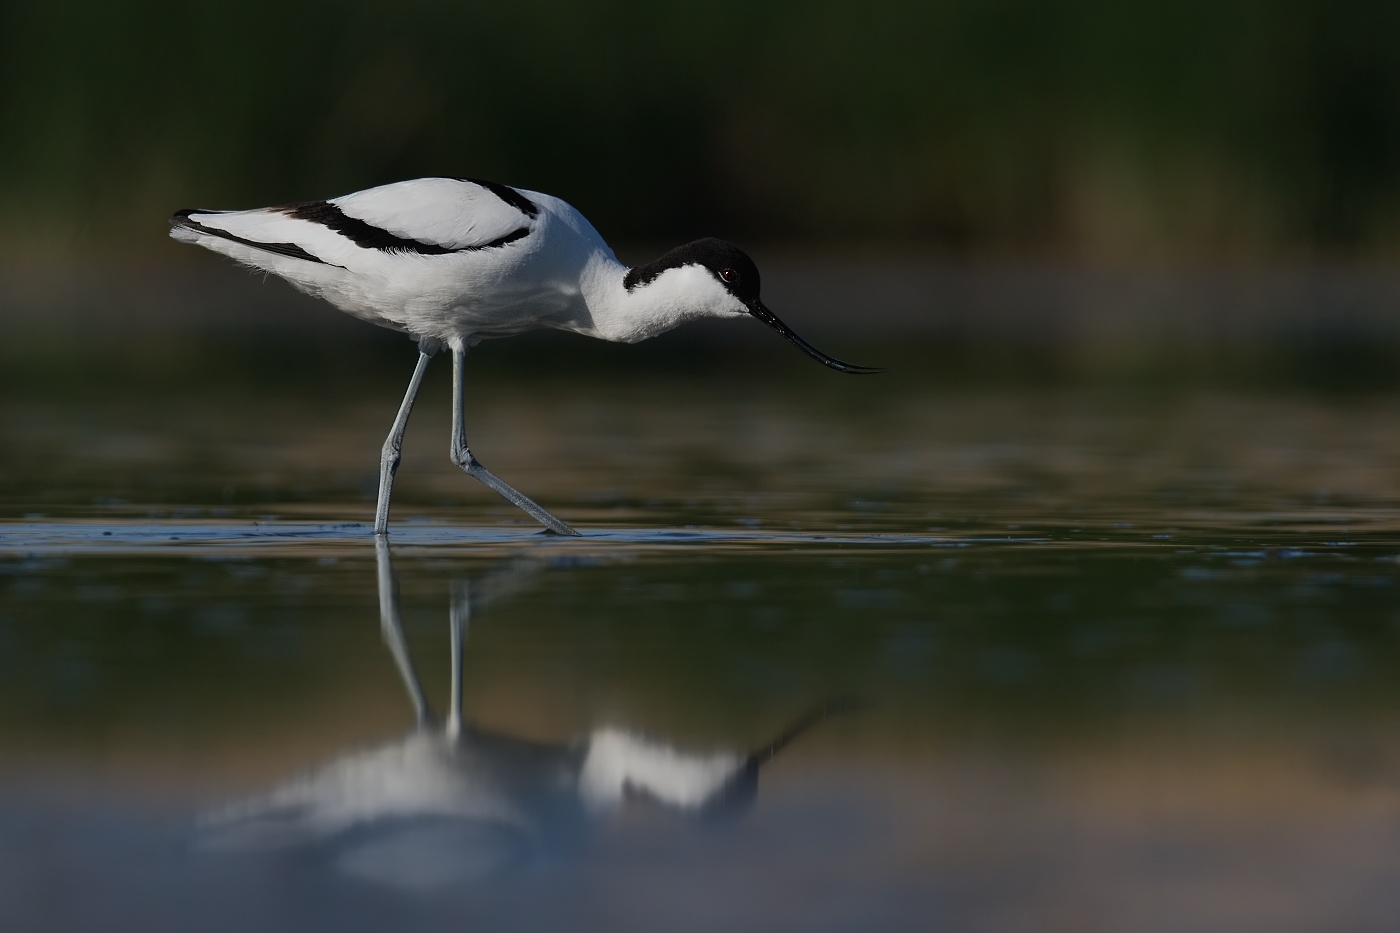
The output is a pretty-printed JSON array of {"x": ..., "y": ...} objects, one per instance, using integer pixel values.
[
  {"x": 464, "y": 458},
  {"x": 390, "y": 456}
]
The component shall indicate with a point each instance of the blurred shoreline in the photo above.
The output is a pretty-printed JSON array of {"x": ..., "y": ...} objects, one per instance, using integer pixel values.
[
  {"x": 896, "y": 296},
  {"x": 971, "y": 319}
]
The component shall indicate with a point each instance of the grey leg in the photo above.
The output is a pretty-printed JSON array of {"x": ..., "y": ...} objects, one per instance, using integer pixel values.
[
  {"x": 464, "y": 458},
  {"x": 391, "y": 627},
  {"x": 393, "y": 445}
]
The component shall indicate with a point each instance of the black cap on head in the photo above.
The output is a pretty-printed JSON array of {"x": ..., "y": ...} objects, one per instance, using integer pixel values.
[
  {"x": 729, "y": 264},
  {"x": 733, "y": 269}
]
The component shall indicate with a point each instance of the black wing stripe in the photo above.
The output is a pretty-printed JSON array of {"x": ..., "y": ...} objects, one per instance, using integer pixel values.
[
  {"x": 508, "y": 194},
  {"x": 183, "y": 219},
  {"x": 362, "y": 234},
  {"x": 503, "y": 240},
  {"x": 368, "y": 236}
]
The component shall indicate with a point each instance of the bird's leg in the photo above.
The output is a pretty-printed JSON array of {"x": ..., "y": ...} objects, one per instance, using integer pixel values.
[
  {"x": 392, "y": 628},
  {"x": 393, "y": 445},
  {"x": 464, "y": 458}
]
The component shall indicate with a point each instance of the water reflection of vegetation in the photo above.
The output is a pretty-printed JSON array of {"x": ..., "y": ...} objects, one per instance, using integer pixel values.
[{"x": 1059, "y": 640}]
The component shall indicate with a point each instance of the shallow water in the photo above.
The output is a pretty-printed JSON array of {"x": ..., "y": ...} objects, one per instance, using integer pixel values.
[{"x": 1082, "y": 658}]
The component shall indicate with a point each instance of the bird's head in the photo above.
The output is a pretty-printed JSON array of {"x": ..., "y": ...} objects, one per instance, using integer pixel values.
[{"x": 724, "y": 282}]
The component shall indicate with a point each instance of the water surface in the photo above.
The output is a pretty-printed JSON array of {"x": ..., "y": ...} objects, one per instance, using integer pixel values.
[{"x": 1081, "y": 657}]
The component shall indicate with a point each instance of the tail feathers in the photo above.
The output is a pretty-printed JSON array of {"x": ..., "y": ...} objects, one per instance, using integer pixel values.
[{"x": 188, "y": 224}]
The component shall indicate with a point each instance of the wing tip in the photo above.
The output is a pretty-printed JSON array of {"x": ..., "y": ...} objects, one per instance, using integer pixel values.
[
  {"x": 184, "y": 218},
  {"x": 184, "y": 227}
]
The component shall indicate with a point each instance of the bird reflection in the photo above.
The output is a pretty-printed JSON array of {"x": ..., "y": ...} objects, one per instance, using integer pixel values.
[{"x": 454, "y": 801}]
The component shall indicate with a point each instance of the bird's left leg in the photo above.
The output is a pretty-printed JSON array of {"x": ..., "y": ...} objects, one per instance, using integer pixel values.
[{"x": 464, "y": 458}]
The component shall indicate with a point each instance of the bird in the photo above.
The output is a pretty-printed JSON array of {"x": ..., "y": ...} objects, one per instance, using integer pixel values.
[{"x": 454, "y": 261}]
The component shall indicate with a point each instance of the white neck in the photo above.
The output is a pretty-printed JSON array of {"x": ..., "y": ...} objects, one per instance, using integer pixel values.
[{"x": 684, "y": 293}]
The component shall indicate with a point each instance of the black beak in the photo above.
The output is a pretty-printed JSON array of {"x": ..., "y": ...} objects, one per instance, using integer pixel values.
[{"x": 768, "y": 317}]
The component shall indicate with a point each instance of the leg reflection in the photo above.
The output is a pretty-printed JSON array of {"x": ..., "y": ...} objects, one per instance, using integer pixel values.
[
  {"x": 391, "y": 626},
  {"x": 455, "y": 802}
]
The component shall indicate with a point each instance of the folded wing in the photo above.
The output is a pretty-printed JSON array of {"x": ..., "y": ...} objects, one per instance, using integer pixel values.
[{"x": 423, "y": 217}]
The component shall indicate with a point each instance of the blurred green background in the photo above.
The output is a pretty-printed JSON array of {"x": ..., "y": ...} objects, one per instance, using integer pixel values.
[
  {"x": 998, "y": 190},
  {"x": 1243, "y": 130}
]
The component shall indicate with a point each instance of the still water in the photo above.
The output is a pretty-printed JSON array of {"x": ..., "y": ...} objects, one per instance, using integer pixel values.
[{"x": 832, "y": 654}]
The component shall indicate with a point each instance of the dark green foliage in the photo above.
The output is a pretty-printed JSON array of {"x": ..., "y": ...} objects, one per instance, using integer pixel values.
[{"x": 1108, "y": 129}]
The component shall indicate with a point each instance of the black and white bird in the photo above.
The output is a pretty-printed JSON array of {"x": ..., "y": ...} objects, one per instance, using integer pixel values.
[{"x": 454, "y": 261}]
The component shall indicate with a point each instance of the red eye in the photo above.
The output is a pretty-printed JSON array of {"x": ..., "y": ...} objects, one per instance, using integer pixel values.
[{"x": 729, "y": 275}]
